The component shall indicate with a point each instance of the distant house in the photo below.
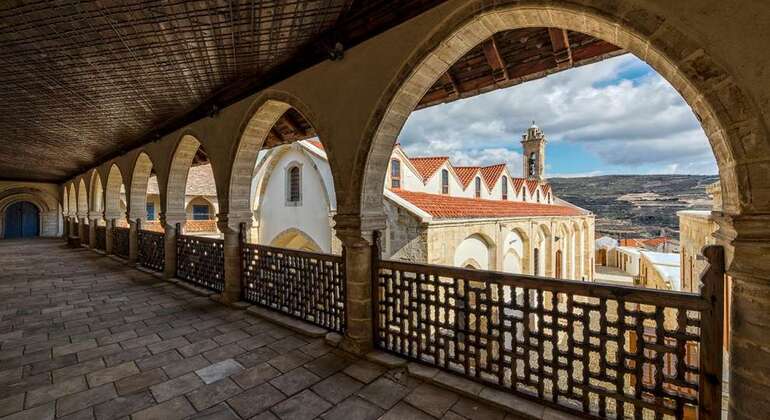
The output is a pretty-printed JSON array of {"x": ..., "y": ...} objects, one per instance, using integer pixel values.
[
  {"x": 201, "y": 203},
  {"x": 659, "y": 244},
  {"x": 625, "y": 258},
  {"x": 660, "y": 270},
  {"x": 603, "y": 245}
]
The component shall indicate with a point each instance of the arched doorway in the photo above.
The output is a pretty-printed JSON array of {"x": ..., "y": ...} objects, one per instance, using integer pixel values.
[{"x": 22, "y": 220}]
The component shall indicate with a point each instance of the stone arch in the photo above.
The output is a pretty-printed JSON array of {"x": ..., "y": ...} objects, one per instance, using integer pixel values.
[
  {"x": 295, "y": 239},
  {"x": 478, "y": 247},
  {"x": 543, "y": 241},
  {"x": 730, "y": 119},
  {"x": 140, "y": 177},
  {"x": 198, "y": 199},
  {"x": 516, "y": 255},
  {"x": 73, "y": 200},
  {"x": 47, "y": 205},
  {"x": 65, "y": 202},
  {"x": 176, "y": 187},
  {"x": 257, "y": 123},
  {"x": 112, "y": 191},
  {"x": 82, "y": 199},
  {"x": 564, "y": 244},
  {"x": 96, "y": 192}
]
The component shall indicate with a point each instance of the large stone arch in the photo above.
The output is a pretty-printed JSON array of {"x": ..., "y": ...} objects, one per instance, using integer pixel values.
[
  {"x": 258, "y": 120},
  {"x": 47, "y": 205},
  {"x": 543, "y": 242},
  {"x": 176, "y": 186},
  {"x": 65, "y": 202},
  {"x": 73, "y": 200},
  {"x": 295, "y": 239},
  {"x": 82, "y": 199},
  {"x": 516, "y": 253},
  {"x": 730, "y": 119},
  {"x": 96, "y": 193},
  {"x": 140, "y": 176},
  {"x": 475, "y": 247},
  {"x": 112, "y": 191}
]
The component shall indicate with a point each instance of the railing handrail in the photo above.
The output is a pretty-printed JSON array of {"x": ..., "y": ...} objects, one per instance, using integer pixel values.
[
  {"x": 633, "y": 294},
  {"x": 203, "y": 239},
  {"x": 121, "y": 228},
  {"x": 287, "y": 251}
]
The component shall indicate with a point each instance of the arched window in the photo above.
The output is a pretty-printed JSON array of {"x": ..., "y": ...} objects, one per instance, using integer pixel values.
[
  {"x": 532, "y": 164},
  {"x": 395, "y": 173},
  {"x": 294, "y": 186},
  {"x": 536, "y": 261},
  {"x": 444, "y": 181},
  {"x": 524, "y": 194},
  {"x": 505, "y": 187},
  {"x": 478, "y": 187},
  {"x": 538, "y": 196}
]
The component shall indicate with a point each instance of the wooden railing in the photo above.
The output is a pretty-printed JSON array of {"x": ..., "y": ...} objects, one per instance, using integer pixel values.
[
  {"x": 306, "y": 285},
  {"x": 592, "y": 349},
  {"x": 101, "y": 238},
  {"x": 200, "y": 261},
  {"x": 120, "y": 241},
  {"x": 151, "y": 252}
]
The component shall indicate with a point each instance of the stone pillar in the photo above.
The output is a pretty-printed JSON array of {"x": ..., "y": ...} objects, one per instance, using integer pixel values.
[
  {"x": 133, "y": 241},
  {"x": 66, "y": 227},
  {"x": 230, "y": 229},
  {"x": 748, "y": 256},
  {"x": 93, "y": 218},
  {"x": 108, "y": 237},
  {"x": 356, "y": 234},
  {"x": 81, "y": 228},
  {"x": 169, "y": 223}
]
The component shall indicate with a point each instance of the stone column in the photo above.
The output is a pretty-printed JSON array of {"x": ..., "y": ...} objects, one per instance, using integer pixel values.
[
  {"x": 748, "y": 257},
  {"x": 133, "y": 241},
  {"x": 230, "y": 229},
  {"x": 108, "y": 237},
  {"x": 66, "y": 227},
  {"x": 93, "y": 218},
  {"x": 356, "y": 234},
  {"x": 81, "y": 227},
  {"x": 169, "y": 222}
]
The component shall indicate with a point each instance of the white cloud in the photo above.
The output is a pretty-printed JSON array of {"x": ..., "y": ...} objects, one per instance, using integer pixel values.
[{"x": 619, "y": 111}]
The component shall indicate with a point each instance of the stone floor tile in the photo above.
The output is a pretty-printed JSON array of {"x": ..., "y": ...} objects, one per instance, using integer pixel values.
[
  {"x": 257, "y": 341},
  {"x": 177, "y": 408},
  {"x": 476, "y": 410},
  {"x": 316, "y": 348},
  {"x": 404, "y": 411},
  {"x": 10, "y": 375},
  {"x": 230, "y": 337},
  {"x": 364, "y": 371},
  {"x": 225, "y": 352},
  {"x": 288, "y": 344},
  {"x": 198, "y": 347},
  {"x": 180, "y": 367},
  {"x": 218, "y": 412},
  {"x": 178, "y": 386},
  {"x": 354, "y": 408},
  {"x": 219, "y": 370},
  {"x": 327, "y": 365},
  {"x": 82, "y": 368},
  {"x": 98, "y": 352},
  {"x": 123, "y": 406},
  {"x": 289, "y": 361},
  {"x": 292, "y": 382},
  {"x": 55, "y": 391},
  {"x": 214, "y": 393},
  {"x": 455, "y": 382},
  {"x": 41, "y": 412},
  {"x": 140, "y": 381},
  {"x": 159, "y": 360},
  {"x": 337, "y": 387},
  {"x": 74, "y": 347},
  {"x": 85, "y": 414},
  {"x": 51, "y": 364},
  {"x": 384, "y": 392},
  {"x": 304, "y": 406},
  {"x": 111, "y": 374},
  {"x": 257, "y": 356},
  {"x": 25, "y": 384},
  {"x": 119, "y": 357},
  {"x": 256, "y": 375},
  {"x": 265, "y": 415},
  {"x": 256, "y": 400},
  {"x": 116, "y": 338},
  {"x": 432, "y": 399},
  {"x": 140, "y": 341},
  {"x": 85, "y": 399},
  {"x": 11, "y": 404},
  {"x": 165, "y": 345}
]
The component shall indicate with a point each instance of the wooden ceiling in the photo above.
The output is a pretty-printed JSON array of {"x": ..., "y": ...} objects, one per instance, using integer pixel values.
[{"x": 84, "y": 81}]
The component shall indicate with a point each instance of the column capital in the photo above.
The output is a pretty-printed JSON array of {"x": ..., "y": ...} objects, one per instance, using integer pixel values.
[
  {"x": 232, "y": 223},
  {"x": 747, "y": 244}
]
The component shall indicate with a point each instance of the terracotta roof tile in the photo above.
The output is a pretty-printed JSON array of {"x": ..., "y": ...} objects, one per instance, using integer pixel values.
[
  {"x": 427, "y": 166},
  {"x": 466, "y": 174},
  {"x": 532, "y": 185},
  {"x": 448, "y": 207},
  {"x": 518, "y": 184},
  {"x": 492, "y": 173},
  {"x": 317, "y": 143}
]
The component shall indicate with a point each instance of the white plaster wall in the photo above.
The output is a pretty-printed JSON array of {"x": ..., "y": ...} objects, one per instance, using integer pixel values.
[
  {"x": 311, "y": 216},
  {"x": 475, "y": 248},
  {"x": 513, "y": 251}
]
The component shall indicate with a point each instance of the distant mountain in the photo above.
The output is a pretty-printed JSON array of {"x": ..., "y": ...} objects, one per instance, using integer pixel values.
[{"x": 636, "y": 205}]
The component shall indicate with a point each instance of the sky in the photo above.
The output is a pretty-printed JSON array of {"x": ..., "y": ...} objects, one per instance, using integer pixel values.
[{"x": 617, "y": 116}]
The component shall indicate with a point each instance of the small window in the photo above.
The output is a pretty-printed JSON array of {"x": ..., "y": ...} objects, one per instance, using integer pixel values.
[
  {"x": 395, "y": 174},
  {"x": 505, "y": 187},
  {"x": 478, "y": 187},
  {"x": 294, "y": 187},
  {"x": 538, "y": 196},
  {"x": 444, "y": 181},
  {"x": 200, "y": 212},
  {"x": 524, "y": 194},
  {"x": 536, "y": 261},
  {"x": 532, "y": 164},
  {"x": 150, "y": 211}
]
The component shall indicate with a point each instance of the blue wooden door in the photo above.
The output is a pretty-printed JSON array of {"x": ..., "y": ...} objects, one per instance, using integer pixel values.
[{"x": 22, "y": 220}]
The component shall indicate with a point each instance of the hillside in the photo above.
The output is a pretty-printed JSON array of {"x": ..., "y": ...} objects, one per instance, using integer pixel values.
[{"x": 636, "y": 205}]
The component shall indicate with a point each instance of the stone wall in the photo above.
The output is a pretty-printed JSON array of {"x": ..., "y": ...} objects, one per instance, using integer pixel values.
[
  {"x": 405, "y": 238},
  {"x": 696, "y": 229},
  {"x": 46, "y": 197}
]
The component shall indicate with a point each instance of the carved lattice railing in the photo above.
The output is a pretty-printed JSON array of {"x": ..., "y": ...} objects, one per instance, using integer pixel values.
[
  {"x": 101, "y": 238},
  {"x": 151, "y": 252},
  {"x": 75, "y": 229},
  {"x": 85, "y": 238},
  {"x": 306, "y": 285},
  {"x": 200, "y": 261},
  {"x": 120, "y": 244},
  {"x": 592, "y": 349}
]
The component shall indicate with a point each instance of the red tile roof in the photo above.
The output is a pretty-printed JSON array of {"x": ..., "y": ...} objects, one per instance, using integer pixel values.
[
  {"x": 532, "y": 185},
  {"x": 427, "y": 166},
  {"x": 655, "y": 241},
  {"x": 518, "y": 184},
  {"x": 466, "y": 174},
  {"x": 448, "y": 207},
  {"x": 492, "y": 173},
  {"x": 317, "y": 143}
]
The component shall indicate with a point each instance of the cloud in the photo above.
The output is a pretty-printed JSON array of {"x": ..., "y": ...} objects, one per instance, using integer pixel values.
[{"x": 619, "y": 112}]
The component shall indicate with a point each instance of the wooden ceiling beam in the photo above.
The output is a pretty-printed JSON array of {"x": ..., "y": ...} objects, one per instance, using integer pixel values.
[
  {"x": 451, "y": 87},
  {"x": 288, "y": 118},
  {"x": 495, "y": 61},
  {"x": 277, "y": 134},
  {"x": 562, "y": 52}
]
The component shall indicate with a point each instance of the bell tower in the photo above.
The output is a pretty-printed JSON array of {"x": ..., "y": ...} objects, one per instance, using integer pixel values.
[{"x": 533, "y": 145}]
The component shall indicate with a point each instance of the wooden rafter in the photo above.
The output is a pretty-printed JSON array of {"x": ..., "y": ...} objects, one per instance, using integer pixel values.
[
  {"x": 294, "y": 124},
  {"x": 562, "y": 52},
  {"x": 495, "y": 61}
]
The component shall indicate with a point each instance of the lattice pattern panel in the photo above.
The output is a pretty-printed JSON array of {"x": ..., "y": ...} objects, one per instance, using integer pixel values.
[
  {"x": 305, "y": 285},
  {"x": 101, "y": 238},
  {"x": 561, "y": 342},
  {"x": 120, "y": 243},
  {"x": 152, "y": 252},
  {"x": 201, "y": 261}
]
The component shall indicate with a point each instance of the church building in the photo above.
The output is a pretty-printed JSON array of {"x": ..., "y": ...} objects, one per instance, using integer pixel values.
[{"x": 437, "y": 213}]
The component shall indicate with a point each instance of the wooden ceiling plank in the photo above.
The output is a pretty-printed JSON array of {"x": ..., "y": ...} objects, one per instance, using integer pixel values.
[
  {"x": 562, "y": 52},
  {"x": 495, "y": 61}
]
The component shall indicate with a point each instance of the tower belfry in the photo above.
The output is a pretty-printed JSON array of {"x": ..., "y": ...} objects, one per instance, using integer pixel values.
[{"x": 533, "y": 145}]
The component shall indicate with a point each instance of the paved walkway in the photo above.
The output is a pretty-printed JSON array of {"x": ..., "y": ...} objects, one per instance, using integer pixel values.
[{"x": 83, "y": 336}]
